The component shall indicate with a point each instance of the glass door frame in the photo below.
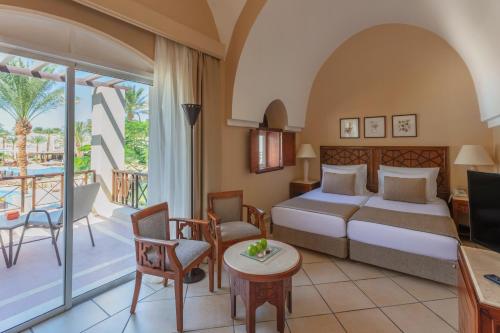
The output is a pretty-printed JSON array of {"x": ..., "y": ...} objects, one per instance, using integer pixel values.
[{"x": 71, "y": 67}]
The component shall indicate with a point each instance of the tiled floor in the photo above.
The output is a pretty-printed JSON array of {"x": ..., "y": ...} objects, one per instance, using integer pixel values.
[{"x": 329, "y": 296}]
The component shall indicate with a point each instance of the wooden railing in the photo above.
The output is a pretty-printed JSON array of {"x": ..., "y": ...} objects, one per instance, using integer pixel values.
[
  {"x": 29, "y": 192},
  {"x": 130, "y": 188}
]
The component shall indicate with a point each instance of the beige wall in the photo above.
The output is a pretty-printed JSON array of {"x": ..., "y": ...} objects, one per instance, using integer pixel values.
[
  {"x": 397, "y": 69},
  {"x": 496, "y": 147}
]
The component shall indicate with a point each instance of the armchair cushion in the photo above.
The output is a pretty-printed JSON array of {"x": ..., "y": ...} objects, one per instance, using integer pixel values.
[
  {"x": 228, "y": 209},
  {"x": 237, "y": 230},
  {"x": 187, "y": 251}
]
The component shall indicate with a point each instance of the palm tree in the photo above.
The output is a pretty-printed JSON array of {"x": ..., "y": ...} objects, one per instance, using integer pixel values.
[
  {"x": 3, "y": 134},
  {"x": 37, "y": 140},
  {"x": 82, "y": 131},
  {"x": 135, "y": 102},
  {"x": 24, "y": 98},
  {"x": 50, "y": 132}
]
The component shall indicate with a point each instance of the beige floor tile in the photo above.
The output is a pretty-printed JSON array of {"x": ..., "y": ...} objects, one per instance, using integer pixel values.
[
  {"x": 447, "y": 309},
  {"x": 367, "y": 321},
  {"x": 265, "y": 312},
  {"x": 344, "y": 296},
  {"x": 115, "y": 323},
  {"x": 153, "y": 317},
  {"x": 385, "y": 292},
  {"x": 75, "y": 320},
  {"x": 165, "y": 293},
  {"x": 301, "y": 279},
  {"x": 423, "y": 290},
  {"x": 265, "y": 327},
  {"x": 117, "y": 299},
  {"x": 306, "y": 301},
  {"x": 358, "y": 271},
  {"x": 227, "y": 329},
  {"x": 416, "y": 318},
  {"x": 201, "y": 288},
  {"x": 199, "y": 313},
  {"x": 324, "y": 272},
  {"x": 309, "y": 256},
  {"x": 207, "y": 312},
  {"x": 317, "y": 324}
]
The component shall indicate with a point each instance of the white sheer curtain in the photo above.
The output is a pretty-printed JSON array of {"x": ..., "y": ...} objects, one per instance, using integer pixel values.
[{"x": 169, "y": 138}]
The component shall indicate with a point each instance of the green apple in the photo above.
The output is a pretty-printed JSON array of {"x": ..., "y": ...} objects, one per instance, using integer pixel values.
[
  {"x": 252, "y": 250},
  {"x": 263, "y": 244}
]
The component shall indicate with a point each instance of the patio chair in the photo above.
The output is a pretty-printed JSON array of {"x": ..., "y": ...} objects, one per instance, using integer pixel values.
[
  {"x": 157, "y": 254},
  {"x": 225, "y": 212},
  {"x": 83, "y": 201}
]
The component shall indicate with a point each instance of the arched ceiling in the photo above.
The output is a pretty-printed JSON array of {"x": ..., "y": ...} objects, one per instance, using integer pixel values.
[
  {"x": 226, "y": 13},
  {"x": 69, "y": 41},
  {"x": 291, "y": 39}
]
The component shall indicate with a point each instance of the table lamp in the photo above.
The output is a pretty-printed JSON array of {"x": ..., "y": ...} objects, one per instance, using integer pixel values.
[
  {"x": 306, "y": 152},
  {"x": 473, "y": 156}
]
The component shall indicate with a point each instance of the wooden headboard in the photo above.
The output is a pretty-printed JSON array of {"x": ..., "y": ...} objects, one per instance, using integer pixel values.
[{"x": 411, "y": 157}]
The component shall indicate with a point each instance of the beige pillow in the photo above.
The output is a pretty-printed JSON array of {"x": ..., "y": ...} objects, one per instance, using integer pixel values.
[
  {"x": 405, "y": 189},
  {"x": 339, "y": 183}
]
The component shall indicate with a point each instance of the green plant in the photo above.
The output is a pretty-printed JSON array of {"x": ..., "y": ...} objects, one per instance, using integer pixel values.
[
  {"x": 136, "y": 144},
  {"x": 83, "y": 129},
  {"x": 82, "y": 162},
  {"x": 24, "y": 98},
  {"x": 135, "y": 102}
]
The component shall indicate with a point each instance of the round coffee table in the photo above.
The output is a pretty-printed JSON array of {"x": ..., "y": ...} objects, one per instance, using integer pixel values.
[{"x": 259, "y": 282}]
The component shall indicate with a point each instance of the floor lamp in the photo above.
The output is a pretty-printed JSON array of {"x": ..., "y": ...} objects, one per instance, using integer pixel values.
[{"x": 192, "y": 112}]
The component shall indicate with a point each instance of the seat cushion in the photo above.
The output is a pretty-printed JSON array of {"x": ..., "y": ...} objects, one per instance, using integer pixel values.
[
  {"x": 237, "y": 230},
  {"x": 40, "y": 220},
  {"x": 187, "y": 251}
]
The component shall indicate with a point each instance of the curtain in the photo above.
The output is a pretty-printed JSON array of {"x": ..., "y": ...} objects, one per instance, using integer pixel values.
[{"x": 183, "y": 75}]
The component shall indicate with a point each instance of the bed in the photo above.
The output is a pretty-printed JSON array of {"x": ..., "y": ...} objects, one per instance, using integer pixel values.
[{"x": 312, "y": 229}]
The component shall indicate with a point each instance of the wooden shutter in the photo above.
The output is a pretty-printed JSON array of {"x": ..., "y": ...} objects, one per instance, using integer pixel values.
[{"x": 288, "y": 147}]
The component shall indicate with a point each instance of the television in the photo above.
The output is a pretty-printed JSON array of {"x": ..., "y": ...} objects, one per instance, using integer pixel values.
[{"x": 484, "y": 202}]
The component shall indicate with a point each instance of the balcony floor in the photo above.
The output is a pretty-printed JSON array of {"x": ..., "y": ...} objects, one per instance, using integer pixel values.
[{"x": 35, "y": 284}]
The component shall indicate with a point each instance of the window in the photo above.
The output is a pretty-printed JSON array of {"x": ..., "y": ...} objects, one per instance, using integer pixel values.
[{"x": 271, "y": 149}]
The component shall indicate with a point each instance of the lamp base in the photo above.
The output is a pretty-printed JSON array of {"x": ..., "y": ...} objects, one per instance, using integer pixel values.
[{"x": 195, "y": 275}]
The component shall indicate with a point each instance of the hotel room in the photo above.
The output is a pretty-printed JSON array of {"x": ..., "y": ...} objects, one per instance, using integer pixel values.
[{"x": 230, "y": 166}]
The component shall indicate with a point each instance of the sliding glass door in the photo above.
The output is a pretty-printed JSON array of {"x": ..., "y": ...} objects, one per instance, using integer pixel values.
[{"x": 33, "y": 113}]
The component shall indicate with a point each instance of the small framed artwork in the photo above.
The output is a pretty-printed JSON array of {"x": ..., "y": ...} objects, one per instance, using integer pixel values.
[
  {"x": 374, "y": 127},
  {"x": 404, "y": 125},
  {"x": 349, "y": 128}
]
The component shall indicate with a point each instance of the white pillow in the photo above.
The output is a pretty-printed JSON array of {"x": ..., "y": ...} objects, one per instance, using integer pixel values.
[
  {"x": 429, "y": 180},
  {"x": 361, "y": 171}
]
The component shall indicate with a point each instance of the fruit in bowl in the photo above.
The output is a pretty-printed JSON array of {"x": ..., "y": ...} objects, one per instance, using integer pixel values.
[{"x": 258, "y": 249}]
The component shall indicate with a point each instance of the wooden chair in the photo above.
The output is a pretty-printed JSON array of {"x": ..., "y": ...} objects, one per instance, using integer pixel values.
[
  {"x": 158, "y": 255},
  {"x": 225, "y": 212}
]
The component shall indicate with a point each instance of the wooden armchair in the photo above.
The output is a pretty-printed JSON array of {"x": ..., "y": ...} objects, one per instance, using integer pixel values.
[
  {"x": 225, "y": 212},
  {"x": 157, "y": 254}
]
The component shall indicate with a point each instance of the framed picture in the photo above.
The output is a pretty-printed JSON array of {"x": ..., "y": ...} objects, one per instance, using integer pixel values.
[
  {"x": 404, "y": 125},
  {"x": 374, "y": 127},
  {"x": 349, "y": 128}
]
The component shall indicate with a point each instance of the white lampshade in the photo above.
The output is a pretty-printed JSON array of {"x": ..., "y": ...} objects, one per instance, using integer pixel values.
[
  {"x": 473, "y": 155},
  {"x": 306, "y": 151}
]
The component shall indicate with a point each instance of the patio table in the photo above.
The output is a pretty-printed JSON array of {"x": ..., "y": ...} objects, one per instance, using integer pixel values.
[{"x": 9, "y": 225}]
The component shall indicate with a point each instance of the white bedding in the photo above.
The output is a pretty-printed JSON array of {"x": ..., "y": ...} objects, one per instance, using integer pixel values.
[
  {"x": 436, "y": 246},
  {"x": 327, "y": 225}
]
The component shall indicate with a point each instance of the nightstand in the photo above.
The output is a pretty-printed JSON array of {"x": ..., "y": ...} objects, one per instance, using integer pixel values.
[
  {"x": 460, "y": 210},
  {"x": 298, "y": 187}
]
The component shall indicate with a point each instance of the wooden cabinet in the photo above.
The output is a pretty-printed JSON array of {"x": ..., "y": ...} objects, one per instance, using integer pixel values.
[
  {"x": 298, "y": 187},
  {"x": 478, "y": 313}
]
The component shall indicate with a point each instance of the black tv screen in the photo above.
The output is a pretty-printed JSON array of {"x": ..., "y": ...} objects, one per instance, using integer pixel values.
[{"x": 484, "y": 201}]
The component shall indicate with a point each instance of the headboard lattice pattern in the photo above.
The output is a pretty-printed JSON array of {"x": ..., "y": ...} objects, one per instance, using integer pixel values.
[{"x": 411, "y": 157}]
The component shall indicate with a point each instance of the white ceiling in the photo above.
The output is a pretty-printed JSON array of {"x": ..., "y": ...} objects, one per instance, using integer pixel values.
[{"x": 291, "y": 39}]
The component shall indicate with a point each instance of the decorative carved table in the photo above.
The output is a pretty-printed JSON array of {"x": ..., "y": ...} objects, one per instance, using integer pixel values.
[{"x": 259, "y": 282}]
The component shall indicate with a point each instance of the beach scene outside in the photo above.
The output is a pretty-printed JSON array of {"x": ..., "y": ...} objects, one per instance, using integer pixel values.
[{"x": 110, "y": 177}]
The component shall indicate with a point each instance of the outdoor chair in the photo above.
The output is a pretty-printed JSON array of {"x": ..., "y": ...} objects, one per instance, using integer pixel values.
[
  {"x": 158, "y": 255},
  {"x": 225, "y": 212},
  {"x": 83, "y": 201}
]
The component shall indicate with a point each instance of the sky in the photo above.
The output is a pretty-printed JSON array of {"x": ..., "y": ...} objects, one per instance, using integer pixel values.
[{"x": 55, "y": 117}]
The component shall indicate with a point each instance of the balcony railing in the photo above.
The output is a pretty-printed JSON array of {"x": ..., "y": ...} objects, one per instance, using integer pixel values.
[
  {"x": 30, "y": 192},
  {"x": 130, "y": 188}
]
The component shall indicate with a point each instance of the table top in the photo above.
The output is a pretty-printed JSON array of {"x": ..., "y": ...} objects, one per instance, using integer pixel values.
[
  {"x": 480, "y": 262},
  {"x": 11, "y": 224},
  {"x": 286, "y": 262}
]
